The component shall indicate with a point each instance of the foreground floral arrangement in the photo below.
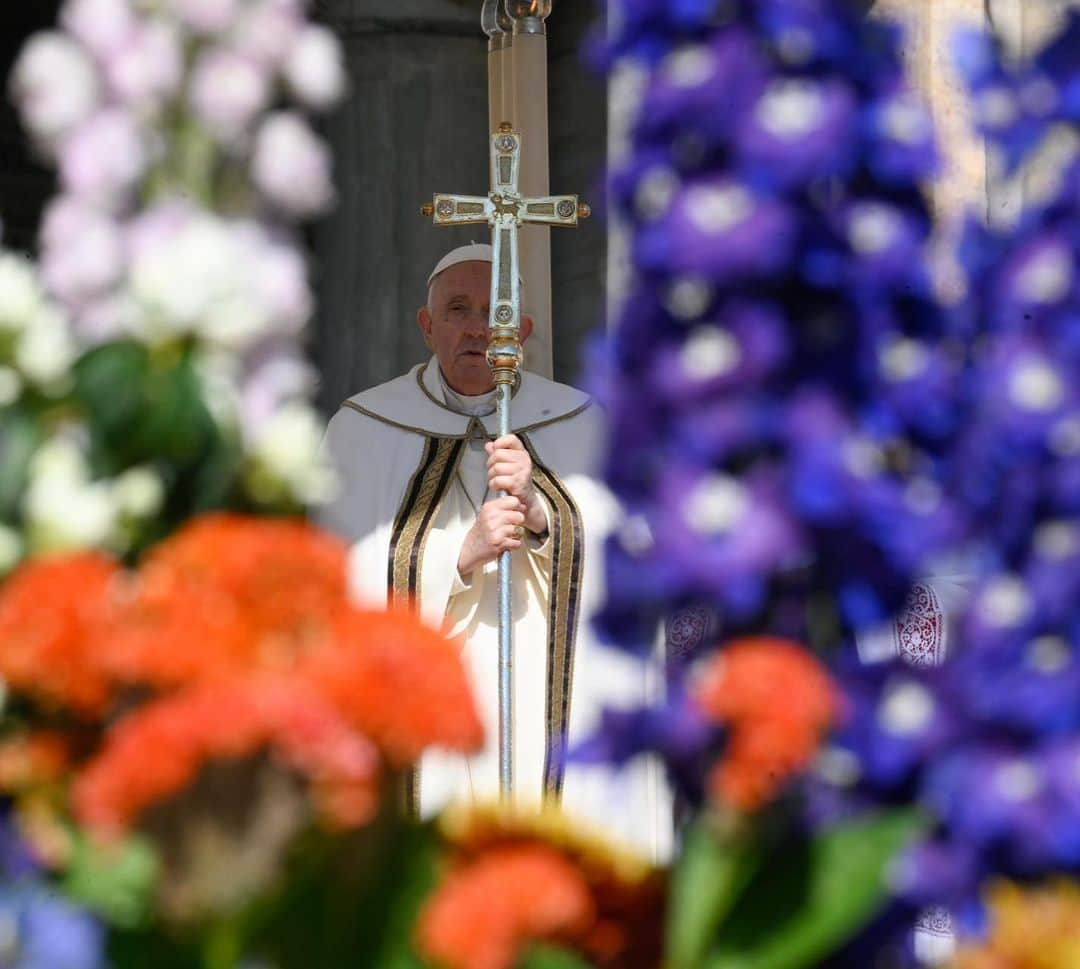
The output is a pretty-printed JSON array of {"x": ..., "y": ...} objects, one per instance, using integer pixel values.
[{"x": 202, "y": 741}]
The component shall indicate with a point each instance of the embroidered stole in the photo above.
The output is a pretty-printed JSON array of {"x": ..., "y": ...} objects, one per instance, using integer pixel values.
[{"x": 419, "y": 508}]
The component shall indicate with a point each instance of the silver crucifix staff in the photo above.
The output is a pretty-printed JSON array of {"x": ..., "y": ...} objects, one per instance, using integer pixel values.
[{"x": 505, "y": 210}]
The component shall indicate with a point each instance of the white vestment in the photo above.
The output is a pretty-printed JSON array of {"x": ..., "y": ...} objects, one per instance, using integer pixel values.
[{"x": 413, "y": 472}]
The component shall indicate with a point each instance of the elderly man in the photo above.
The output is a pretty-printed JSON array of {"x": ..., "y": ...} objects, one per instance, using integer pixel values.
[{"x": 420, "y": 469}]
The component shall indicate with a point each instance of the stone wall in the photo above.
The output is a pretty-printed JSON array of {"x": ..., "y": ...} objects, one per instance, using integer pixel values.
[{"x": 415, "y": 124}]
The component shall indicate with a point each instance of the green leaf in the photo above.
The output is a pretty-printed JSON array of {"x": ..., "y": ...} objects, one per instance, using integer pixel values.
[
  {"x": 116, "y": 881},
  {"x": 711, "y": 873},
  {"x": 549, "y": 957},
  {"x": 812, "y": 896},
  {"x": 20, "y": 436}
]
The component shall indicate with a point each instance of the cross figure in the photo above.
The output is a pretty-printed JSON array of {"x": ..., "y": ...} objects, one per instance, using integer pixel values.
[{"x": 505, "y": 211}]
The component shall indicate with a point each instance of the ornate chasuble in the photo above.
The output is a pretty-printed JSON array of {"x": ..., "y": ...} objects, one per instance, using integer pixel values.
[{"x": 413, "y": 475}]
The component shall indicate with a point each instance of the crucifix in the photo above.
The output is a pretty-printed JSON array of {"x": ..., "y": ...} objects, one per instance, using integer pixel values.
[{"x": 505, "y": 210}]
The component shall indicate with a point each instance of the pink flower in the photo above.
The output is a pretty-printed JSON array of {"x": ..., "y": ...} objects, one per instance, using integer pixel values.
[
  {"x": 82, "y": 253},
  {"x": 55, "y": 85},
  {"x": 291, "y": 167},
  {"x": 146, "y": 69},
  {"x": 267, "y": 30},
  {"x": 275, "y": 374},
  {"x": 314, "y": 69},
  {"x": 104, "y": 158},
  {"x": 101, "y": 26},
  {"x": 228, "y": 89},
  {"x": 283, "y": 285},
  {"x": 206, "y": 16}
]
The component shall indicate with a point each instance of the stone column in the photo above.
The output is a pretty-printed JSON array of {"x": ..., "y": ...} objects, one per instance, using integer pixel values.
[{"x": 414, "y": 123}]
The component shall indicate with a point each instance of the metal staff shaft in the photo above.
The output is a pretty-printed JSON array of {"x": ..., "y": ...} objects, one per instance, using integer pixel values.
[{"x": 506, "y": 640}]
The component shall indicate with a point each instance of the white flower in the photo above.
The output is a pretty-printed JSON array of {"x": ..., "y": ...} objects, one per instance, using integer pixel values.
[
  {"x": 196, "y": 279},
  {"x": 55, "y": 85},
  {"x": 288, "y": 450},
  {"x": 291, "y": 166},
  {"x": 64, "y": 509},
  {"x": 11, "y": 548},
  {"x": 20, "y": 292},
  {"x": 314, "y": 68},
  {"x": 45, "y": 351},
  {"x": 99, "y": 25},
  {"x": 138, "y": 493}
]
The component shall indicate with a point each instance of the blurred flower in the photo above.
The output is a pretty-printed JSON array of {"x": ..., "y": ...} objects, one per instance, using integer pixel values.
[
  {"x": 267, "y": 29},
  {"x": 155, "y": 752},
  {"x": 291, "y": 166},
  {"x": 20, "y": 292},
  {"x": 485, "y": 913},
  {"x": 191, "y": 272},
  {"x": 400, "y": 683},
  {"x": 11, "y": 548},
  {"x": 47, "y": 611},
  {"x": 55, "y": 85},
  {"x": 1034, "y": 928},
  {"x": 103, "y": 158},
  {"x": 65, "y": 509},
  {"x": 776, "y": 702},
  {"x": 286, "y": 456},
  {"x": 144, "y": 72},
  {"x": 314, "y": 69},
  {"x": 227, "y": 91},
  {"x": 101, "y": 26},
  {"x": 206, "y": 16},
  {"x": 138, "y": 493},
  {"x": 619, "y": 927},
  {"x": 45, "y": 351},
  {"x": 42, "y": 930},
  {"x": 82, "y": 251}
]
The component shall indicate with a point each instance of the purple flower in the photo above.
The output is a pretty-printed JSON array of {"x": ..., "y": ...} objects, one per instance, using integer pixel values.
[
  {"x": 50, "y": 932},
  {"x": 267, "y": 29},
  {"x": 227, "y": 91},
  {"x": 82, "y": 251},
  {"x": 799, "y": 130},
  {"x": 291, "y": 166},
  {"x": 206, "y": 16},
  {"x": 104, "y": 158},
  {"x": 144, "y": 70},
  {"x": 721, "y": 229},
  {"x": 101, "y": 26}
]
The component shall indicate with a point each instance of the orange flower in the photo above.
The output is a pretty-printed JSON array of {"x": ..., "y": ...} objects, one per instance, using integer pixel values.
[
  {"x": 776, "y": 701},
  {"x": 47, "y": 610},
  {"x": 156, "y": 751},
  {"x": 484, "y": 913},
  {"x": 399, "y": 682},
  {"x": 228, "y": 593},
  {"x": 627, "y": 893},
  {"x": 1029, "y": 929}
]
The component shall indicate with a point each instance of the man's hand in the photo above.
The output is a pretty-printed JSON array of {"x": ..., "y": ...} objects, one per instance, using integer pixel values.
[
  {"x": 510, "y": 470},
  {"x": 496, "y": 530}
]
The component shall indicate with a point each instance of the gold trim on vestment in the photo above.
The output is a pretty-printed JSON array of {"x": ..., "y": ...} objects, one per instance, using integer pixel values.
[
  {"x": 427, "y": 432},
  {"x": 419, "y": 508},
  {"x": 567, "y": 568}
]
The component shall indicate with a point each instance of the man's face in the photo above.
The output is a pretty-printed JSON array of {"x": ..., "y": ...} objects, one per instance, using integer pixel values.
[{"x": 455, "y": 326}]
